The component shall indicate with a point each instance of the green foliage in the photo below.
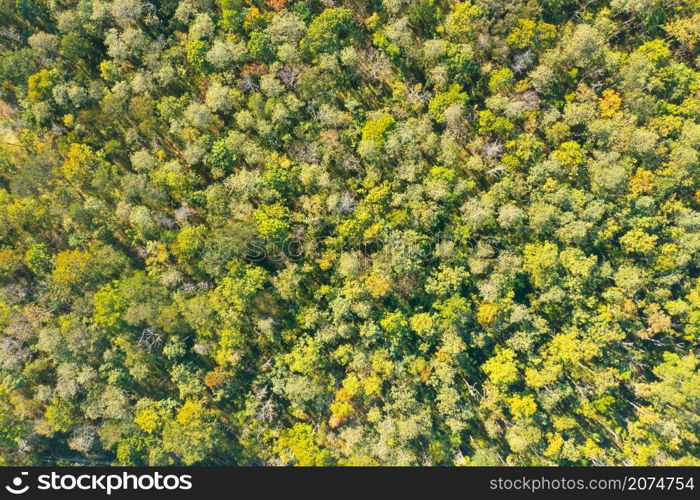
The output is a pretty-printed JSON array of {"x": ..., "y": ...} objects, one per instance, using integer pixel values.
[
  {"x": 38, "y": 259},
  {"x": 196, "y": 55},
  {"x": 500, "y": 80},
  {"x": 260, "y": 47},
  {"x": 189, "y": 242},
  {"x": 460, "y": 22},
  {"x": 40, "y": 84},
  {"x": 329, "y": 32},
  {"x": 380, "y": 233},
  {"x": 375, "y": 130},
  {"x": 272, "y": 221},
  {"x": 443, "y": 100},
  {"x": 58, "y": 415},
  {"x": 297, "y": 446}
]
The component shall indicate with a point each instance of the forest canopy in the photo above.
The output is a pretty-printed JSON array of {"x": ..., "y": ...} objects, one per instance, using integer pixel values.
[{"x": 349, "y": 232}]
